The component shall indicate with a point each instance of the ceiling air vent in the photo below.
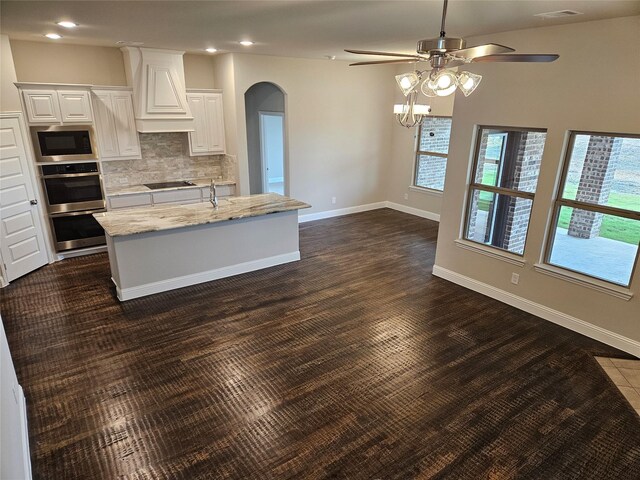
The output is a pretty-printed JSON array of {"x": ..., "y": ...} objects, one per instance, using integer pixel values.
[{"x": 558, "y": 14}]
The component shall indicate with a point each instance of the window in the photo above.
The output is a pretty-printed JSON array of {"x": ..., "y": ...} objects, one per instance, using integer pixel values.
[
  {"x": 596, "y": 228},
  {"x": 431, "y": 152},
  {"x": 505, "y": 175}
]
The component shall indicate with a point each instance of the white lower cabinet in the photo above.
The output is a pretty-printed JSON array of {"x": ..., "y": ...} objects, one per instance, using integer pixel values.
[
  {"x": 187, "y": 195},
  {"x": 208, "y": 135},
  {"x": 128, "y": 201},
  {"x": 167, "y": 197},
  {"x": 116, "y": 127}
]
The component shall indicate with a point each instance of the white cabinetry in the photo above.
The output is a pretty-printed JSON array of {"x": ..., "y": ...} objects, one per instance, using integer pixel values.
[
  {"x": 208, "y": 135},
  {"x": 117, "y": 135},
  {"x": 180, "y": 196},
  {"x": 75, "y": 106},
  {"x": 42, "y": 106},
  {"x": 57, "y": 106}
]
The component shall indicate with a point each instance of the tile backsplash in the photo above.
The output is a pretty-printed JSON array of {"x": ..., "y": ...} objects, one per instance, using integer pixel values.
[{"x": 165, "y": 157}]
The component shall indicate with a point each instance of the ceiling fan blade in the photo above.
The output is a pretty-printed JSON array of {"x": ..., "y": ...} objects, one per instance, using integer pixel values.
[
  {"x": 381, "y": 62},
  {"x": 482, "y": 50},
  {"x": 455, "y": 63},
  {"x": 518, "y": 57},
  {"x": 386, "y": 54}
]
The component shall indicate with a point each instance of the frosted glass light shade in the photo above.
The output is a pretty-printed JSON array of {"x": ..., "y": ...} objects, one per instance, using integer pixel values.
[
  {"x": 402, "y": 108},
  {"x": 443, "y": 83},
  {"x": 468, "y": 82},
  {"x": 408, "y": 82}
]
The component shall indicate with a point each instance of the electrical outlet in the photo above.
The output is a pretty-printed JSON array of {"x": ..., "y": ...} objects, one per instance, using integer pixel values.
[
  {"x": 333, "y": 200},
  {"x": 406, "y": 196},
  {"x": 515, "y": 278}
]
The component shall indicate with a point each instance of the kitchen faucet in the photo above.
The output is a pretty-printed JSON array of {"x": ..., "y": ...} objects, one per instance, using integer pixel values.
[{"x": 213, "y": 198}]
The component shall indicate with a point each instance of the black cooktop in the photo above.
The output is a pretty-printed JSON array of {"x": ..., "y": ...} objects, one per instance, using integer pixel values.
[{"x": 155, "y": 186}]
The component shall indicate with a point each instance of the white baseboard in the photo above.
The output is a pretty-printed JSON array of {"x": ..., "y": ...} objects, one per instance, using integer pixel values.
[
  {"x": 201, "y": 277},
  {"x": 572, "y": 323},
  {"x": 365, "y": 208},
  {"x": 310, "y": 217},
  {"x": 26, "y": 453},
  {"x": 413, "y": 211}
]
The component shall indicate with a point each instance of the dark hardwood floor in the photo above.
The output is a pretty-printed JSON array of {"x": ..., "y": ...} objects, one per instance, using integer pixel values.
[{"x": 353, "y": 363}]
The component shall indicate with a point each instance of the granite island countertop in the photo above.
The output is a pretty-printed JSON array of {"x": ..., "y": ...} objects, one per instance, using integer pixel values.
[
  {"x": 154, "y": 219},
  {"x": 133, "y": 189}
]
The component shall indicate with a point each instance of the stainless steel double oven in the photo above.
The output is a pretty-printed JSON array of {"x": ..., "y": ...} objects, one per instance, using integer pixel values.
[{"x": 73, "y": 192}]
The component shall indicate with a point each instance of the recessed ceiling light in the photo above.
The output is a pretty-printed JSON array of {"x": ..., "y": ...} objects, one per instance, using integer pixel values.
[
  {"x": 67, "y": 24},
  {"x": 53, "y": 36},
  {"x": 211, "y": 50},
  {"x": 246, "y": 43}
]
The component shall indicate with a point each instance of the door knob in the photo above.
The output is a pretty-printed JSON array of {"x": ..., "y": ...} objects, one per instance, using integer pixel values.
[{"x": 33, "y": 202}]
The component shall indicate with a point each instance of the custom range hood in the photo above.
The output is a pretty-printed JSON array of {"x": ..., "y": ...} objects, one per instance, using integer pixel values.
[{"x": 159, "y": 95}]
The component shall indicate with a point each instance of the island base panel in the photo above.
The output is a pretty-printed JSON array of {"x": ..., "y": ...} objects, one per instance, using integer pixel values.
[{"x": 153, "y": 262}]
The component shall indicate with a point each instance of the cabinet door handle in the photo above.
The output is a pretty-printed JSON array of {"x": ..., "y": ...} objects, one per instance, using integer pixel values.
[{"x": 33, "y": 202}]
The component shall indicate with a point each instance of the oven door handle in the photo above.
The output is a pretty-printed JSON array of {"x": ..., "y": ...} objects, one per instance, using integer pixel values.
[
  {"x": 71, "y": 214},
  {"x": 71, "y": 175}
]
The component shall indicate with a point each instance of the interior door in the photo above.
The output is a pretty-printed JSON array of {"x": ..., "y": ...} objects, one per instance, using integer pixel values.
[
  {"x": 272, "y": 151},
  {"x": 22, "y": 240}
]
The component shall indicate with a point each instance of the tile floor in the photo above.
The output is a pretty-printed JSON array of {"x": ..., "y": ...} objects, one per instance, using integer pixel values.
[{"x": 626, "y": 375}]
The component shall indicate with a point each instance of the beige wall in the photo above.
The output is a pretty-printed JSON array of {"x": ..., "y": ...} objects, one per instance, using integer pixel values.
[
  {"x": 337, "y": 121},
  {"x": 592, "y": 87},
  {"x": 64, "y": 63},
  {"x": 9, "y": 99},
  {"x": 198, "y": 71},
  {"x": 403, "y": 151}
]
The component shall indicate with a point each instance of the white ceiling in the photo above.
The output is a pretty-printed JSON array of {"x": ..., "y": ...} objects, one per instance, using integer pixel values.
[{"x": 295, "y": 28}]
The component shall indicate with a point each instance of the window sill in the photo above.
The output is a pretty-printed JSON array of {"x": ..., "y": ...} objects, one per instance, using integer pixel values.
[
  {"x": 427, "y": 191},
  {"x": 593, "y": 283},
  {"x": 491, "y": 252}
]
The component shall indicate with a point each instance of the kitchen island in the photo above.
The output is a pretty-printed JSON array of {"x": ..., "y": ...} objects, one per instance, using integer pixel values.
[{"x": 155, "y": 249}]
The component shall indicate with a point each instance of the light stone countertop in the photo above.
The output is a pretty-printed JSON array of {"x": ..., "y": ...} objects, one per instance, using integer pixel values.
[
  {"x": 133, "y": 189},
  {"x": 154, "y": 219}
]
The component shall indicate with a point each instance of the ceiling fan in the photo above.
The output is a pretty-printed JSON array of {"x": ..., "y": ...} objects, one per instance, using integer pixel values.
[
  {"x": 443, "y": 53},
  {"x": 449, "y": 52}
]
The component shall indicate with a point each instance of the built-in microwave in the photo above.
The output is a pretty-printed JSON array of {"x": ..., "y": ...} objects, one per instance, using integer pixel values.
[{"x": 57, "y": 143}]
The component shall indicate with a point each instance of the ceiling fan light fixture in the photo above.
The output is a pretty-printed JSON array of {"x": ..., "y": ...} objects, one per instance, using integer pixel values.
[
  {"x": 408, "y": 82},
  {"x": 468, "y": 82},
  {"x": 442, "y": 83}
]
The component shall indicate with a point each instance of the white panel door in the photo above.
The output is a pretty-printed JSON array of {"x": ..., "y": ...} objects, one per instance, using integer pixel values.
[
  {"x": 75, "y": 106},
  {"x": 125, "y": 125},
  {"x": 21, "y": 236},
  {"x": 198, "y": 139},
  {"x": 105, "y": 125},
  {"x": 215, "y": 122},
  {"x": 42, "y": 106}
]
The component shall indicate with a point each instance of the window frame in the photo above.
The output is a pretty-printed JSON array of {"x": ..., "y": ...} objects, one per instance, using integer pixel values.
[
  {"x": 419, "y": 152},
  {"x": 559, "y": 202},
  {"x": 472, "y": 184}
]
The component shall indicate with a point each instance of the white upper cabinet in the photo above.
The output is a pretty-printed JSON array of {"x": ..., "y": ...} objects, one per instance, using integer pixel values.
[
  {"x": 157, "y": 78},
  {"x": 42, "y": 106},
  {"x": 115, "y": 125},
  {"x": 75, "y": 106},
  {"x": 57, "y": 105},
  {"x": 208, "y": 135}
]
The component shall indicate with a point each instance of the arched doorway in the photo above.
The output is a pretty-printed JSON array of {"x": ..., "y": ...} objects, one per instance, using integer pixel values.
[{"x": 266, "y": 138}]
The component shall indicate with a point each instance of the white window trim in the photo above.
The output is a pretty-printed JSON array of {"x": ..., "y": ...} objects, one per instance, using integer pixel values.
[
  {"x": 426, "y": 190},
  {"x": 584, "y": 281},
  {"x": 492, "y": 252},
  {"x": 545, "y": 265}
]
